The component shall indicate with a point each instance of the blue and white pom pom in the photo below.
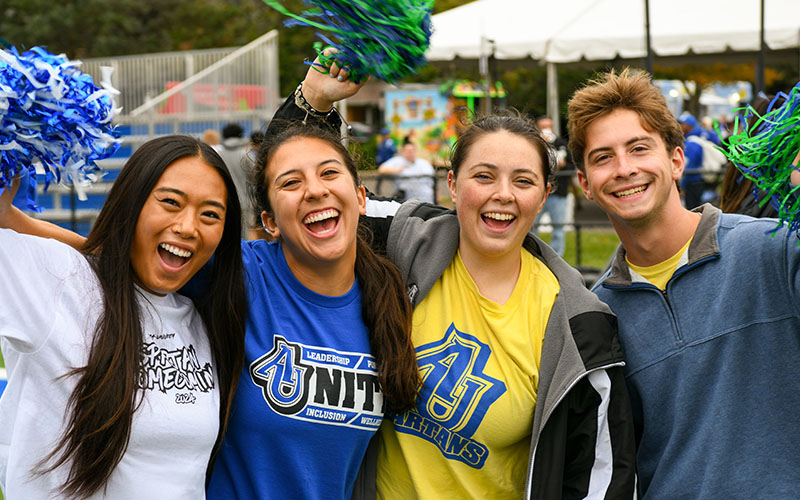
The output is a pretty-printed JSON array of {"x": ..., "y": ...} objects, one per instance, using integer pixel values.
[{"x": 53, "y": 115}]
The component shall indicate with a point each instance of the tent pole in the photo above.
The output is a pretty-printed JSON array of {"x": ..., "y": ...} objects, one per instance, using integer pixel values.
[
  {"x": 648, "y": 42},
  {"x": 552, "y": 97},
  {"x": 761, "y": 65}
]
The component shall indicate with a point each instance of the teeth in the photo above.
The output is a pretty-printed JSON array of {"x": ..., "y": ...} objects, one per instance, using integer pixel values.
[
  {"x": 498, "y": 216},
  {"x": 175, "y": 250},
  {"x": 630, "y": 192},
  {"x": 325, "y": 214}
]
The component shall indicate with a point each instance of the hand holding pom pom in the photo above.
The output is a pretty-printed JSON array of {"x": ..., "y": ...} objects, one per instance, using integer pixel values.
[
  {"x": 323, "y": 89},
  {"x": 53, "y": 115}
]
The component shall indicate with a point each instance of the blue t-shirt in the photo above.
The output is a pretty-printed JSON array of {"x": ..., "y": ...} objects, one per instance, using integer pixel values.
[{"x": 308, "y": 401}]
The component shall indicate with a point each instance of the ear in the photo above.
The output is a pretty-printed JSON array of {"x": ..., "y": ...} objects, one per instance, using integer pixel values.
[
  {"x": 544, "y": 198},
  {"x": 451, "y": 185},
  {"x": 584, "y": 182},
  {"x": 361, "y": 193},
  {"x": 270, "y": 225},
  {"x": 678, "y": 162}
]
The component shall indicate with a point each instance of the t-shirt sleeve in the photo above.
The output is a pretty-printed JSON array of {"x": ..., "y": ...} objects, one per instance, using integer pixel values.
[{"x": 33, "y": 271}]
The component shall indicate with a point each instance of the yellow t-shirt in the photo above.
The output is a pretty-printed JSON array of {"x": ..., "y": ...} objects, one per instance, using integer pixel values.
[
  {"x": 469, "y": 436},
  {"x": 660, "y": 273}
]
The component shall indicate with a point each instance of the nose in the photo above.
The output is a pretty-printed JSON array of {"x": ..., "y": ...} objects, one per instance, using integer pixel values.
[
  {"x": 185, "y": 224},
  {"x": 626, "y": 167},
  {"x": 503, "y": 192},
  {"x": 316, "y": 188}
]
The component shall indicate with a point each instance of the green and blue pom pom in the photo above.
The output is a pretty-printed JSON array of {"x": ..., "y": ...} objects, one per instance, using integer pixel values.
[
  {"x": 52, "y": 115},
  {"x": 764, "y": 154},
  {"x": 386, "y": 39}
]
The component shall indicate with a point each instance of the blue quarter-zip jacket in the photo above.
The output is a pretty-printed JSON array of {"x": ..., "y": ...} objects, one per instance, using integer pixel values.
[{"x": 712, "y": 363}]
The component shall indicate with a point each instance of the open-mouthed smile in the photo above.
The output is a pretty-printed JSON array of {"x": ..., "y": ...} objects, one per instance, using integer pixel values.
[{"x": 322, "y": 222}]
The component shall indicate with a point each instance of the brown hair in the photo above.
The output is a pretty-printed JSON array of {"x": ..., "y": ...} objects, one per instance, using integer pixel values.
[
  {"x": 101, "y": 407},
  {"x": 385, "y": 308},
  {"x": 631, "y": 90},
  {"x": 735, "y": 186},
  {"x": 512, "y": 122}
]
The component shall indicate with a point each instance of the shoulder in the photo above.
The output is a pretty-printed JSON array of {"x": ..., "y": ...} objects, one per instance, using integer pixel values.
[
  {"x": 741, "y": 231},
  {"x": 256, "y": 253},
  {"x": 57, "y": 258}
]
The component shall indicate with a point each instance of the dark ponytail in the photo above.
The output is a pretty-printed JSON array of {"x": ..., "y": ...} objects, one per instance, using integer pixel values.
[{"x": 387, "y": 315}]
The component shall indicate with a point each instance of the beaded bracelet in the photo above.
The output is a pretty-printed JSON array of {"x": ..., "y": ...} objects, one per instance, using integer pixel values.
[{"x": 300, "y": 102}]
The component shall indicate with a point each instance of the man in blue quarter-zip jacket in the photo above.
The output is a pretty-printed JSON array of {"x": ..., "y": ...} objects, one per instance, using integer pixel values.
[{"x": 708, "y": 308}]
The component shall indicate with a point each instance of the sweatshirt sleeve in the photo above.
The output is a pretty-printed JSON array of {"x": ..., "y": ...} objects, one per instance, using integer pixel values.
[
  {"x": 289, "y": 114},
  {"x": 33, "y": 272}
]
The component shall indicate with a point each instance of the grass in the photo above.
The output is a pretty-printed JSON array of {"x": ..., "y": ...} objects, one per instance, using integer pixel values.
[{"x": 596, "y": 247}]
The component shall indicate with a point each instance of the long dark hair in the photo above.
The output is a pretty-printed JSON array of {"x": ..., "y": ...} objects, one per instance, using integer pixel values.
[
  {"x": 385, "y": 308},
  {"x": 107, "y": 393}
]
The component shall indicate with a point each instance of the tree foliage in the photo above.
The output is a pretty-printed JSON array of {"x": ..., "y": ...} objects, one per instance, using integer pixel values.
[{"x": 100, "y": 28}]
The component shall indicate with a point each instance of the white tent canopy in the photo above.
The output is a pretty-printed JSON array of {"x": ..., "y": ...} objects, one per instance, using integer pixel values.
[
  {"x": 562, "y": 31},
  {"x": 570, "y": 30}
]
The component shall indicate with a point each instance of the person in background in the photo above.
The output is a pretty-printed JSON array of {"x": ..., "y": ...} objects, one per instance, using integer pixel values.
[
  {"x": 386, "y": 147},
  {"x": 414, "y": 176},
  {"x": 211, "y": 137},
  {"x": 707, "y": 124},
  {"x": 556, "y": 204},
  {"x": 234, "y": 152},
  {"x": 692, "y": 183}
]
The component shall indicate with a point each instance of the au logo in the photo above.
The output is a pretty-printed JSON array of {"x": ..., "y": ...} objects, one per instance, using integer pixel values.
[
  {"x": 320, "y": 384},
  {"x": 283, "y": 377},
  {"x": 454, "y": 397}
]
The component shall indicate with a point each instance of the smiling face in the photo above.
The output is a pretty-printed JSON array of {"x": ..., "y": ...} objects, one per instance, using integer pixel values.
[
  {"x": 629, "y": 172},
  {"x": 499, "y": 190},
  {"x": 314, "y": 202},
  {"x": 180, "y": 225}
]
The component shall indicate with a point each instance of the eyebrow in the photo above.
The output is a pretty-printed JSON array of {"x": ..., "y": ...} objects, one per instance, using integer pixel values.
[
  {"x": 492, "y": 166},
  {"x": 295, "y": 170},
  {"x": 181, "y": 193},
  {"x": 632, "y": 140}
]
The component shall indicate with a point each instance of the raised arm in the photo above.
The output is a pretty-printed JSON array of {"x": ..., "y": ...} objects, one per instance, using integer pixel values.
[
  {"x": 312, "y": 102},
  {"x": 12, "y": 217}
]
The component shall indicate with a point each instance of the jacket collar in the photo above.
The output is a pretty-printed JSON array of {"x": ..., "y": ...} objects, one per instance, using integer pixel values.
[{"x": 704, "y": 244}]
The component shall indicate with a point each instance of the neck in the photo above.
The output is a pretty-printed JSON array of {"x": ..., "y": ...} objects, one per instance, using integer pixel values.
[
  {"x": 495, "y": 277},
  {"x": 656, "y": 241},
  {"x": 332, "y": 278}
]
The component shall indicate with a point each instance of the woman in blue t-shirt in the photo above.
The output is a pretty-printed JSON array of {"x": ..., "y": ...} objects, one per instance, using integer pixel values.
[{"x": 326, "y": 316}]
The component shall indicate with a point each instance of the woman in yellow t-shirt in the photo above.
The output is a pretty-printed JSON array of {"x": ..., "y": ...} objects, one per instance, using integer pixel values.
[{"x": 522, "y": 392}]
